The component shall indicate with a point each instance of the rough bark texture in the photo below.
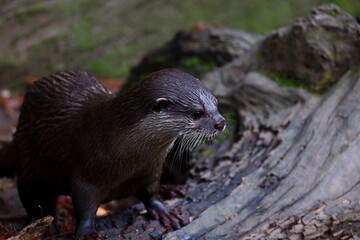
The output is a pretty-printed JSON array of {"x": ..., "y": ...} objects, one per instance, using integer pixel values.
[
  {"x": 287, "y": 167},
  {"x": 283, "y": 170},
  {"x": 35, "y": 230}
]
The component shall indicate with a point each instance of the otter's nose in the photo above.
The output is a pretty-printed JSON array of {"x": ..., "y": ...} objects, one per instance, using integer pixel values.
[{"x": 220, "y": 126}]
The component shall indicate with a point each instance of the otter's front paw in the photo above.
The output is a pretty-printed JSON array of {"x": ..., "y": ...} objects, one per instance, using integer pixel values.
[{"x": 167, "y": 217}]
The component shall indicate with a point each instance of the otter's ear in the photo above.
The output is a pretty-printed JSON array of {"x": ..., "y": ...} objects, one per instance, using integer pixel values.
[{"x": 161, "y": 103}]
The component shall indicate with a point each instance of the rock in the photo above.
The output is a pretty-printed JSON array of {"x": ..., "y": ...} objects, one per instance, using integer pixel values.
[
  {"x": 315, "y": 50},
  {"x": 312, "y": 53},
  {"x": 196, "y": 51}
]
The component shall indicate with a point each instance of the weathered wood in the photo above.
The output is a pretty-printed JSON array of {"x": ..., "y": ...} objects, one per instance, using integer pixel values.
[
  {"x": 315, "y": 160},
  {"x": 35, "y": 230}
]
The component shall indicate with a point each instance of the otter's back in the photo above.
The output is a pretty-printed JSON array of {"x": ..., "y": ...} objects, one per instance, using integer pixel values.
[
  {"x": 57, "y": 99},
  {"x": 50, "y": 117}
]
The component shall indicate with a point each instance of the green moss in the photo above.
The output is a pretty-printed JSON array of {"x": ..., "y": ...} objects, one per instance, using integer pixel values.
[
  {"x": 88, "y": 5},
  {"x": 25, "y": 13},
  {"x": 285, "y": 81},
  {"x": 191, "y": 62},
  {"x": 84, "y": 38},
  {"x": 104, "y": 69},
  {"x": 208, "y": 153},
  {"x": 197, "y": 63},
  {"x": 230, "y": 124},
  {"x": 108, "y": 66},
  {"x": 159, "y": 59},
  {"x": 230, "y": 118},
  {"x": 352, "y": 226},
  {"x": 335, "y": 13},
  {"x": 352, "y": 72},
  {"x": 326, "y": 81}
]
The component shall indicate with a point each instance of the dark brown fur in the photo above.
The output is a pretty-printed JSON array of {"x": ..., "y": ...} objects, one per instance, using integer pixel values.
[{"x": 74, "y": 137}]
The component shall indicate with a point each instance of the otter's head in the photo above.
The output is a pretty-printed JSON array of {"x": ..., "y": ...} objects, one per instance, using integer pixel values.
[{"x": 182, "y": 104}]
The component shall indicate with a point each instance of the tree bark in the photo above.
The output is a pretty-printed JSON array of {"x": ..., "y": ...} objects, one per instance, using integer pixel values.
[{"x": 296, "y": 167}]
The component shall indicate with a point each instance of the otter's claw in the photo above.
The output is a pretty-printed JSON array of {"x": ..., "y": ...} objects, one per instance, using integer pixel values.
[{"x": 167, "y": 217}]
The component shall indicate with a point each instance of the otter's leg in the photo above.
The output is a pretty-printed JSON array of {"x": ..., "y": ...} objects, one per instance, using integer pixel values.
[
  {"x": 85, "y": 201},
  {"x": 157, "y": 209}
]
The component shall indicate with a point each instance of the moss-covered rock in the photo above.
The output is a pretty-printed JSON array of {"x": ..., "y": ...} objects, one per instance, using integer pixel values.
[
  {"x": 315, "y": 50},
  {"x": 196, "y": 51}
]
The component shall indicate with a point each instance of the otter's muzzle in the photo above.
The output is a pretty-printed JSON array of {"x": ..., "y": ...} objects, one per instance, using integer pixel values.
[{"x": 220, "y": 125}]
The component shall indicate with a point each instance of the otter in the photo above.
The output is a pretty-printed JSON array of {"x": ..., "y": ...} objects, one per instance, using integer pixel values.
[{"x": 74, "y": 137}]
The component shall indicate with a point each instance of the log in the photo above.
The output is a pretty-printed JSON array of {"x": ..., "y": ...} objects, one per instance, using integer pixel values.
[
  {"x": 279, "y": 174},
  {"x": 35, "y": 230}
]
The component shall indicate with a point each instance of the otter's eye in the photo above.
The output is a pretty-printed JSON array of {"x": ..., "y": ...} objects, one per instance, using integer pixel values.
[
  {"x": 161, "y": 103},
  {"x": 198, "y": 114}
]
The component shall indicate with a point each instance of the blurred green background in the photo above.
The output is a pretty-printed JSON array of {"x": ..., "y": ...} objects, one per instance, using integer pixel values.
[{"x": 106, "y": 38}]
